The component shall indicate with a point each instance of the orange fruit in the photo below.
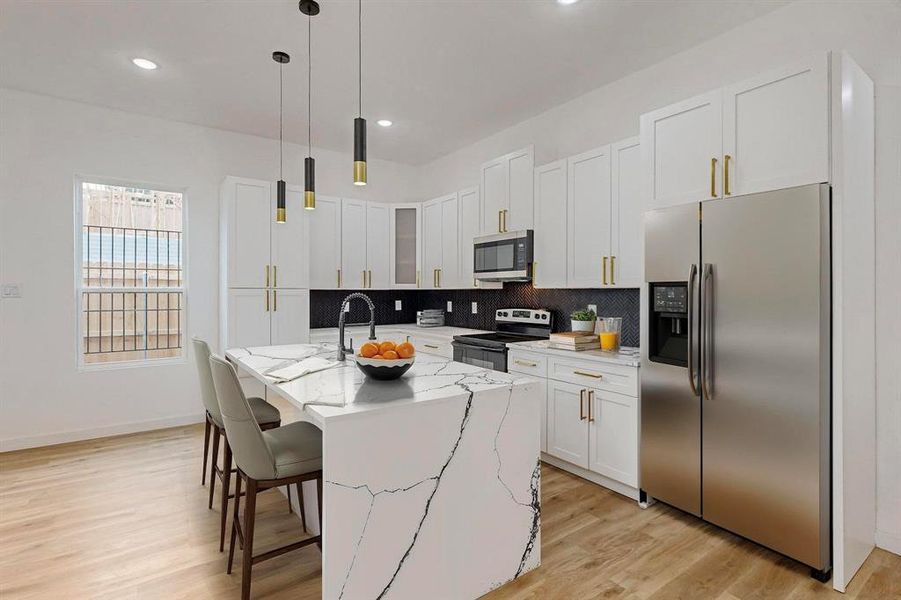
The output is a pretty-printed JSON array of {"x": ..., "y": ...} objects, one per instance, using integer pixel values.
[
  {"x": 389, "y": 355},
  {"x": 385, "y": 346},
  {"x": 368, "y": 350},
  {"x": 405, "y": 350},
  {"x": 378, "y": 357}
]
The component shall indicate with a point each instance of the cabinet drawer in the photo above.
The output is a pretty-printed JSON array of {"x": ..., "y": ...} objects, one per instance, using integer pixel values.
[
  {"x": 430, "y": 345},
  {"x": 602, "y": 376},
  {"x": 528, "y": 363}
]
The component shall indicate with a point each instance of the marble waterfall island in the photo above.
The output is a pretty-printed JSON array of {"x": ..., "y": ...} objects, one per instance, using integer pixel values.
[{"x": 432, "y": 481}]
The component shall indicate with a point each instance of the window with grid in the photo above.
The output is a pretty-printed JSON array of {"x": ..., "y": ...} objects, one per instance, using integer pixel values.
[{"x": 131, "y": 276}]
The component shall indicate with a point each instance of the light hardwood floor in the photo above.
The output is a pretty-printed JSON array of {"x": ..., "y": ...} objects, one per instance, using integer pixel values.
[{"x": 126, "y": 517}]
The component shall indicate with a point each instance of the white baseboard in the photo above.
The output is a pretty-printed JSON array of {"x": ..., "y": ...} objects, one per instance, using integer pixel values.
[
  {"x": 65, "y": 437},
  {"x": 889, "y": 541}
]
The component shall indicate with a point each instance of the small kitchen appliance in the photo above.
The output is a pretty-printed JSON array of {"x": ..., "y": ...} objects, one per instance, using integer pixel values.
[
  {"x": 430, "y": 318},
  {"x": 503, "y": 256},
  {"x": 489, "y": 350}
]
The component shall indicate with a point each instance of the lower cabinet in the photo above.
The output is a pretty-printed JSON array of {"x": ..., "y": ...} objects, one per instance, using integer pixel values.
[
  {"x": 567, "y": 423},
  {"x": 613, "y": 436}
]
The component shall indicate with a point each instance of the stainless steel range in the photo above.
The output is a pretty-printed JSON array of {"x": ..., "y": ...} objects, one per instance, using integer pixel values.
[{"x": 489, "y": 350}]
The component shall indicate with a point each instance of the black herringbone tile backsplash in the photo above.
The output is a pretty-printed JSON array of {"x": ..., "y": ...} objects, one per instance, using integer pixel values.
[{"x": 324, "y": 305}]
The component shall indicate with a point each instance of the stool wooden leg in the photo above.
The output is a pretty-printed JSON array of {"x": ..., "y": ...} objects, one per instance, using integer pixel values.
[
  {"x": 290, "y": 506},
  {"x": 213, "y": 463},
  {"x": 303, "y": 513},
  {"x": 249, "y": 517},
  {"x": 235, "y": 517},
  {"x": 226, "y": 483},
  {"x": 206, "y": 448}
]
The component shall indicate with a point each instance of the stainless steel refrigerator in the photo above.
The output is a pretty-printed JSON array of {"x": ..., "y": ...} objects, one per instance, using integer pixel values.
[{"x": 735, "y": 367}]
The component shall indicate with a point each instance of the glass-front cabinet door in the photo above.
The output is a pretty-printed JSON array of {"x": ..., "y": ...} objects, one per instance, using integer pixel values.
[{"x": 406, "y": 242}]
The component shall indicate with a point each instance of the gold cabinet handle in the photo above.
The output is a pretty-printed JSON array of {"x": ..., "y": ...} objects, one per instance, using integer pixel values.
[
  {"x": 604, "y": 270},
  {"x": 586, "y": 374},
  {"x": 267, "y": 276},
  {"x": 364, "y": 277},
  {"x": 439, "y": 277},
  {"x": 275, "y": 276},
  {"x": 713, "y": 177},
  {"x": 369, "y": 276},
  {"x": 581, "y": 405},
  {"x": 430, "y": 346},
  {"x": 591, "y": 406},
  {"x": 274, "y": 301},
  {"x": 525, "y": 363},
  {"x": 499, "y": 229},
  {"x": 417, "y": 278},
  {"x": 726, "y": 190},
  {"x": 505, "y": 220},
  {"x": 267, "y": 299},
  {"x": 534, "y": 270},
  {"x": 339, "y": 277},
  {"x": 612, "y": 270}
]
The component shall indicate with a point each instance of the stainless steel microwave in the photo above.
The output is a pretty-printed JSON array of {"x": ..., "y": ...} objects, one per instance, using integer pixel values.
[{"x": 503, "y": 256}]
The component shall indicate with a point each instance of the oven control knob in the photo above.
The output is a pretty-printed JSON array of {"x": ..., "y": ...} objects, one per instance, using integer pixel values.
[{"x": 544, "y": 317}]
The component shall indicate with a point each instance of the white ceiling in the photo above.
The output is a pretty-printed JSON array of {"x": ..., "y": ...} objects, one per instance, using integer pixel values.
[{"x": 446, "y": 72}]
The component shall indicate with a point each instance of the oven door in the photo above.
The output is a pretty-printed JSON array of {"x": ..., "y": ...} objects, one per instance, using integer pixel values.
[
  {"x": 480, "y": 356},
  {"x": 503, "y": 256}
]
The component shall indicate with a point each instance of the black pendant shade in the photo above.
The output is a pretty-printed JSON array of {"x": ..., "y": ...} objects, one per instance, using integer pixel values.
[
  {"x": 309, "y": 183},
  {"x": 310, "y": 8},
  {"x": 359, "y": 151},
  {"x": 281, "y": 216}
]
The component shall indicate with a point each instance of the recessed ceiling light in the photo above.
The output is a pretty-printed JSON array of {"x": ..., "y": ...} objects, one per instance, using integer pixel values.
[
  {"x": 384, "y": 122},
  {"x": 567, "y": 1},
  {"x": 144, "y": 63}
]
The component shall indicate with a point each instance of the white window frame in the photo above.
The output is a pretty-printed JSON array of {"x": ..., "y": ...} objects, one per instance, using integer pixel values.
[{"x": 79, "y": 287}]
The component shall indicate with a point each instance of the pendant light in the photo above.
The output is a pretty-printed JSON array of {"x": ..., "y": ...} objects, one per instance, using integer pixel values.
[
  {"x": 360, "y": 122},
  {"x": 311, "y": 9},
  {"x": 282, "y": 59}
]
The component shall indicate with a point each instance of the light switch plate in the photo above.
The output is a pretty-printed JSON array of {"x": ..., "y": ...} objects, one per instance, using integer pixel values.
[
  {"x": 450, "y": 306},
  {"x": 475, "y": 308},
  {"x": 398, "y": 305},
  {"x": 593, "y": 307},
  {"x": 10, "y": 290}
]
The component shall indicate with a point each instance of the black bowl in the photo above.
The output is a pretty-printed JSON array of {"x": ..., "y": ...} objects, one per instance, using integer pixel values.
[{"x": 384, "y": 370}]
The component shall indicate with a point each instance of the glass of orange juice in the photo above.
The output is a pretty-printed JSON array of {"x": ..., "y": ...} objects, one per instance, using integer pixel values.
[{"x": 610, "y": 329}]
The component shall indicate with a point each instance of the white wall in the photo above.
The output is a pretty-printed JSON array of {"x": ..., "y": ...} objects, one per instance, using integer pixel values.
[
  {"x": 44, "y": 143},
  {"x": 871, "y": 32}
]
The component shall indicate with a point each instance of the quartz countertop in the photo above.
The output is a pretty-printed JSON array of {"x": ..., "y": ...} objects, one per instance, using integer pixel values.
[{"x": 627, "y": 356}]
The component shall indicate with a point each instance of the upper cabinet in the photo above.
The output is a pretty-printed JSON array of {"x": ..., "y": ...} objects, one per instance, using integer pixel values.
[
  {"x": 468, "y": 229},
  {"x": 549, "y": 266},
  {"x": 768, "y": 132},
  {"x": 627, "y": 206},
  {"x": 588, "y": 219},
  {"x": 325, "y": 244},
  {"x": 353, "y": 244},
  {"x": 440, "y": 243},
  {"x": 378, "y": 245},
  {"x": 404, "y": 244},
  {"x": 682, "y": 144},
  {"x": 776, "y": 129},
  {"x": 257, "y": 252},
  {"x": 507, "y": 192}
]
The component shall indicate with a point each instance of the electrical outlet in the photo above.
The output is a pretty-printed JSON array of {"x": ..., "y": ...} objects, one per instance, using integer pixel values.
[
  {"x": 10, "y": 290},
  {"x": 593, "y": 307},
  {"x": 398, "y": 305},
  {"x": 475, "y": 308},
  {"x": 450, "y": 306}
]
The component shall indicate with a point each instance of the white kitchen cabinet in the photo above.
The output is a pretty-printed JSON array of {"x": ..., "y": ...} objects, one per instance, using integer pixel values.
[
  {"x": 247, "y": 318},
  {"x": 468, "y": 211},
  {"x": 627, "y": 206},
  {"x": 246, "y": 203},
  {"x": 776, "y": 128},
  {"x": 289, "y": 316},
  {"x": 353, "y": 244},
  {"x": 534, "y": 365},
  {"x": 440, "y": 243},
  {"x": 567, "y": 423},
  {"x": 405, "y": 237},
  {"x": 588, "y": 218},
  {"x": 682, "y": 146},
  {"x": 549, "y": 266},
  {"x": 378, "y": 245},
  {"x": 613, "y": 436},
  {"x": 290, "y": 257},
  {"x": 325, "y": 243},
  {"x": 508, "y": 192}
]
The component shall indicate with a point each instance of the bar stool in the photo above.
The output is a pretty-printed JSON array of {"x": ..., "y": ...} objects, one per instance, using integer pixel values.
[
  {"x": 265, "y": 414},
  {"x": 284, "y": 456}
]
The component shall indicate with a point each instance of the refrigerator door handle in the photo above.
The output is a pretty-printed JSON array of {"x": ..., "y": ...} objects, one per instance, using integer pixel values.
[
  {"x": 692, "y": 373},
  {"x": 707, "y": 331}
]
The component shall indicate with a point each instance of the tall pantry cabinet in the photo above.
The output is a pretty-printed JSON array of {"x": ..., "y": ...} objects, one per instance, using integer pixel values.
[{"x": 264, "y": 296}]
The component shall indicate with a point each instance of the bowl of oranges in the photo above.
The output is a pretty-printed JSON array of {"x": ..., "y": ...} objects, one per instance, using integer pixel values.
[{"x": 385, "y": 360}]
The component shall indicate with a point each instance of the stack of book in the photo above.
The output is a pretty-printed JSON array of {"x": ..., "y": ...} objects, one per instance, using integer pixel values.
[{"x": 574, "y": 340}]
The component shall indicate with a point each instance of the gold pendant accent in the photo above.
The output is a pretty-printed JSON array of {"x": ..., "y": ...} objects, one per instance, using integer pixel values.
[
  {"x": 359, "y": 172},
  {"x": 309, "y": 200},
  {"x": 280, "y": 215}
]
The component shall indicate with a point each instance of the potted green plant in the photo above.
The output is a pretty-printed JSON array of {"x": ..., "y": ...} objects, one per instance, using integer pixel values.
[{"x": 582, "y": 320}]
